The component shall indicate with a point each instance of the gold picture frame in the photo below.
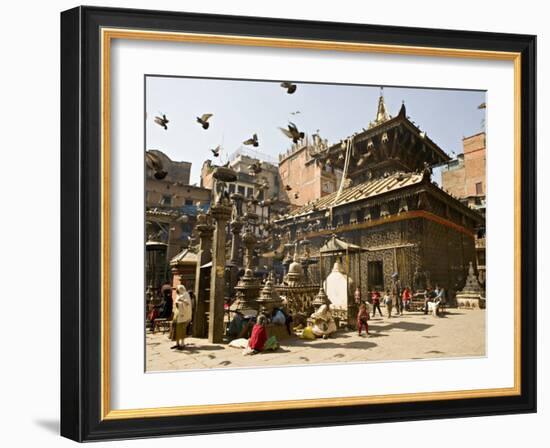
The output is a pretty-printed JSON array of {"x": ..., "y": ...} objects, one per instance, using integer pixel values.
[{"x": 118, "y": 25}]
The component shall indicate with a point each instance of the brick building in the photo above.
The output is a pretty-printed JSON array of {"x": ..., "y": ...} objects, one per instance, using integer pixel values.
[
  {"x": 299, "y": 170},
  {"x": 171, "y": 208},
  {"x": 465, "y": 178}
]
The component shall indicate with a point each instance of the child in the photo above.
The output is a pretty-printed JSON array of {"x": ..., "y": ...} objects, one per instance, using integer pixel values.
[
  {"x": 388, "y": 302},
  {"x": 375, "y": 297},
  {"x": 362, "y": 319},
  {"x": 407, "y": 296}
]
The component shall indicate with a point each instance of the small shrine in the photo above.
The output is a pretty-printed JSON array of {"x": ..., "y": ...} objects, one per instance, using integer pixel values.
[
  {"x": 269, "y": 299},
  {"x": 297, "y": 290},
  {"x": 471, "y": 296}
]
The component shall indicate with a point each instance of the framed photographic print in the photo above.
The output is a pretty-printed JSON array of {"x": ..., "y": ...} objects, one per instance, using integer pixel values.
[{"x": 276, "y": 224}]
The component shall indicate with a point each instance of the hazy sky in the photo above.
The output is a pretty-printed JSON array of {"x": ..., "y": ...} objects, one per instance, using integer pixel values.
[{"x": 242, "y": 108}]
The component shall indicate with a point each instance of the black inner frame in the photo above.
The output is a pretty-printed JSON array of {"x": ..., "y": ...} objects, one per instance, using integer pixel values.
[{"x": 81, "y": 223}]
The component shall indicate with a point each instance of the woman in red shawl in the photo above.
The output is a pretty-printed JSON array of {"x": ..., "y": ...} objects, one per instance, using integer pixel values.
[{"x": 258, "y": 336}]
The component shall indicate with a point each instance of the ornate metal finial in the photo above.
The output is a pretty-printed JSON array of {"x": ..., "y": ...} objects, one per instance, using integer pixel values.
[{"x": 382, "y": 114}]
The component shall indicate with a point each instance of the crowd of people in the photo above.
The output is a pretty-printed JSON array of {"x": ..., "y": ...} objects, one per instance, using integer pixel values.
[
  {"x": 250, "y": 331},
  {"x": 396, "y": 302}
]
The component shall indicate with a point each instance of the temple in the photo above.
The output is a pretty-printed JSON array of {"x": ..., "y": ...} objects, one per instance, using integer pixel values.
[{"x": 387, "y": 204}]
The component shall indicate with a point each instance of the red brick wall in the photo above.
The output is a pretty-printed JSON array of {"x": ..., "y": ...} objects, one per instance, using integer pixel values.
[
  {"x": 306, "y": 179},
  {"x": 474, "y": 163}
]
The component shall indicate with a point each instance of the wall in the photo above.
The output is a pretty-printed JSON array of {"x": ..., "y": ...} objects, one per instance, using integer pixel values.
[
  {"x": 306, "y": 179},
  {"x": 453, "y": 179},
  {"x": 30, "y": 98},
  {"x": 474, "y": 163}
]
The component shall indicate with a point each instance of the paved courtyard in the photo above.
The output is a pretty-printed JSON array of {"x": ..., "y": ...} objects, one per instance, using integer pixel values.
[{"x": 458, "y": 333}]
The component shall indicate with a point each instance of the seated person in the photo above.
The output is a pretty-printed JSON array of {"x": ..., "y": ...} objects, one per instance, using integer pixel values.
[
  {"x": 323, "y": 322},
  {"x": 258, "y": 336},
  {"x": 407, "y": 297},
  {"x": 429, "y": 297},
  {"x": 240, "y": 326},
  {"x": 433, "y": 307},
  {"x": 278, "y": 317}
]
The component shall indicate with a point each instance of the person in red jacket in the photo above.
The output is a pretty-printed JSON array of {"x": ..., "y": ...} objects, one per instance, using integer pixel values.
[
  {"x": 258, "y": 336},
  {"x": 375, "y": 297},
  {"x": 407, "y": 296},
  {"x": 363, "y": 319}
]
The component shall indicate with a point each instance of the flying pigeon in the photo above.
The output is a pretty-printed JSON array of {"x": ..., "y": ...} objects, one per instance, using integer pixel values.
[
  {"x": 162, "y": 121},
  {"x": 204, "y": 120},
  {"x": 255, "y": 168},
  {"x": 252, "y": 141},
  {"x": 295, "y": 112},
  {"x": 296, "y": 195},
  {"x": 293, "y": 132},
  {"x": 288, "y": 187},
  {"x": 216, "y": 150},
  {"x": 290, "y": 88}
]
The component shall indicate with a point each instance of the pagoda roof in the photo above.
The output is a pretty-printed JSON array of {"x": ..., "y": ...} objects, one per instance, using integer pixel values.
[
  {"x": 336, "y": 245},
  {"x": 383, "y": 124},
  {"x": 365, "y": 190},
  {"x": 185, "y": 257}
]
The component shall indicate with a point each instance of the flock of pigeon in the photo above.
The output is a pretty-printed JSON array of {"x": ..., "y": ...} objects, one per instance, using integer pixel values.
[{"x": 292, "y": 132}]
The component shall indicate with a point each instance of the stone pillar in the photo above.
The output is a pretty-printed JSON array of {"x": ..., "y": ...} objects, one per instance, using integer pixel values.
[
  {"x": 249, "y": 241},
  {"x": 221, "y": 214},
  {"x": 236, "y": 225},
  {"x": 205, "y": 231}
]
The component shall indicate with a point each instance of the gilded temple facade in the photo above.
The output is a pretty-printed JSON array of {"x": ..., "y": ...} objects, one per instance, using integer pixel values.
[{"x": 388, "y": 205}]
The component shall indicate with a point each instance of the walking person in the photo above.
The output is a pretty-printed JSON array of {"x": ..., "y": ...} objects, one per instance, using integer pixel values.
[
  {"x": 363, "y": 319},
  {"x": 183, "y": 312},
  {"x": 375, "y": 299},
  {"x": 388, "y": 301}
]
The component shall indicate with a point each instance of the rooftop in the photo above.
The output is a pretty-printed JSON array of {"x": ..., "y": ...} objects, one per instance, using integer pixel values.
[{"x": 365, "y": 190}]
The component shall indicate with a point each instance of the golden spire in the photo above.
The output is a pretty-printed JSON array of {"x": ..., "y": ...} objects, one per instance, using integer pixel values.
[{"x": 382, "y": 114}]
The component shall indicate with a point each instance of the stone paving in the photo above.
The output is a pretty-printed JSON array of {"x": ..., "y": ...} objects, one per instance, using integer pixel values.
[{"x": 458, "y": 333}]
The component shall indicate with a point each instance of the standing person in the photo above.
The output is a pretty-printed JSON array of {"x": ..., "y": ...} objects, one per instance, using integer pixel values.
[
  {"x": 183, "y": 312},
  {"x": 363, "y": 319},
  {"x": 193, "y": 303},
  {"x": 396, "y": 293},
  {"x": 407, "y": 297},
  {"x": 167, "y": 304},
  {"x": 375, "y": 297},
  {"x": 388, "y": 301},
  {"x": 440, "y": 296}
]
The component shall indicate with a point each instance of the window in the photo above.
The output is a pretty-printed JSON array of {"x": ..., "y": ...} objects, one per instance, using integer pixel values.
[
  {"x": 479, "y": 188},
  {"x": 376, "y": 274},
  {"x": 249, "y": 192},
  {"x": 231, "y": 188},
  {"x": 166, "y": 199},
  {"x": 189, "y": 202},
  {"x": 240, "y": 189}
]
